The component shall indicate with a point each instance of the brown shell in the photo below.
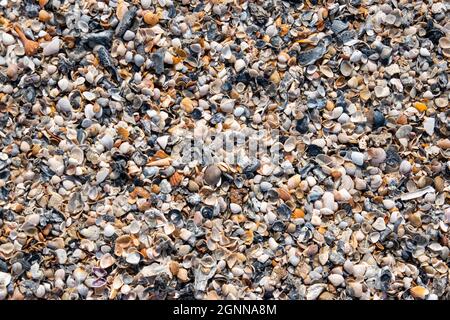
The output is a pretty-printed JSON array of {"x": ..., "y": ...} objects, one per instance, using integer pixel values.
[{"x": 175, "y": 179}]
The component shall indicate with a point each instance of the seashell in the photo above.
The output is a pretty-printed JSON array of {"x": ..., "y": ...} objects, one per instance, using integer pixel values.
[
  {"x": 97, "y": 201},
  {"x": 359, "y": 270},
  {"x": 382, "y": 91},
  {"x": 7, "y": 249},
  {"x": 175, "y": 179},
  {"x": 294, "y": 181},
  {"x": 50, "y": 48},
  {"x": 75, "y": 204},
  {"x": 440, "y": 267},
  {"x": 379, "y": 224},
  {"x": 403, "y": 131},
  {"x": 101, "y": 175},
  {"x": 123, "y": 132},
  {"x": 106, "y": 261},
  {"x": 31, "y": 47},
  {"x": 289, "y": 144},
  {"x": 428, "y": 125},
  {"x": 374, "y": 237},
  {"x": 212, "y": 175},
  {"x": 327, "y": 72},
  {"x": 187, "y": 105},
  {"x": 90, "y": 96},
  {"x": 174, "y": 267},
  {"x": 117, "y": 282},
  {"x": 416, "y": 194},
  {"x": 133, "y": 258},
  {"x": 405, "y": 167},
  {"x": 424, "y": 181},
  {"x": 314, "y": 291},
  {"x": 44, "y": 16},
  {"x": 298, "y": 213},
  {"x": 226, "y": 52},
  {"x": 283, "y": 194},
  {"x": 248, "y": 237},
  {"x": 419, "y": 292},
  {"x": 376, "y": 156},
  {"x": 324, "y": 256},
  {"x": 78, "y": 155},
  {"x": 436, "y": 247},
  {"x": 151, "y": 19},
  {"x": 124, "y": 241},
  {"x": 239, "y": 65},
  {"x": 357, "y": 158},
  {"x": 308, "y": 57},
  {"x": 227, "y": 105},
  {"x": 336, "y": 279},
  {"x": 80, "y": 275},
  {"x": 358, "y": 117},
  {"x": 346, "y": 68},
  {"x": 5, "y": 279},
  {"x": 421, "y": 107},
  {"x": 441, "y": 102},
  {"x": 415, "y": 219},
  {"x": 98, "y": 283},
  {"x": 338, "y": 26},
  {"x": 444, "y": 42},
  {"x": 182, "y": 275},
  {"x": 160, "y": 163},
  {"x": 56, "y": 164},
  {"x": 122, "y": 8},
  {"x": 443, "y": 144},
  {"x": 365, "y": 94}
]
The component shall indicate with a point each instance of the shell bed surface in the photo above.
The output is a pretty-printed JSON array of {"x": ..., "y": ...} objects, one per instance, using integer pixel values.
[{"x": 97, "y": 202}]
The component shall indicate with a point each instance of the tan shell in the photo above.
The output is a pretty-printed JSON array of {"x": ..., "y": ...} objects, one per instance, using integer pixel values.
[
  {"x": 122, "y": 8},
  {"x": 175, "y": 179}
]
